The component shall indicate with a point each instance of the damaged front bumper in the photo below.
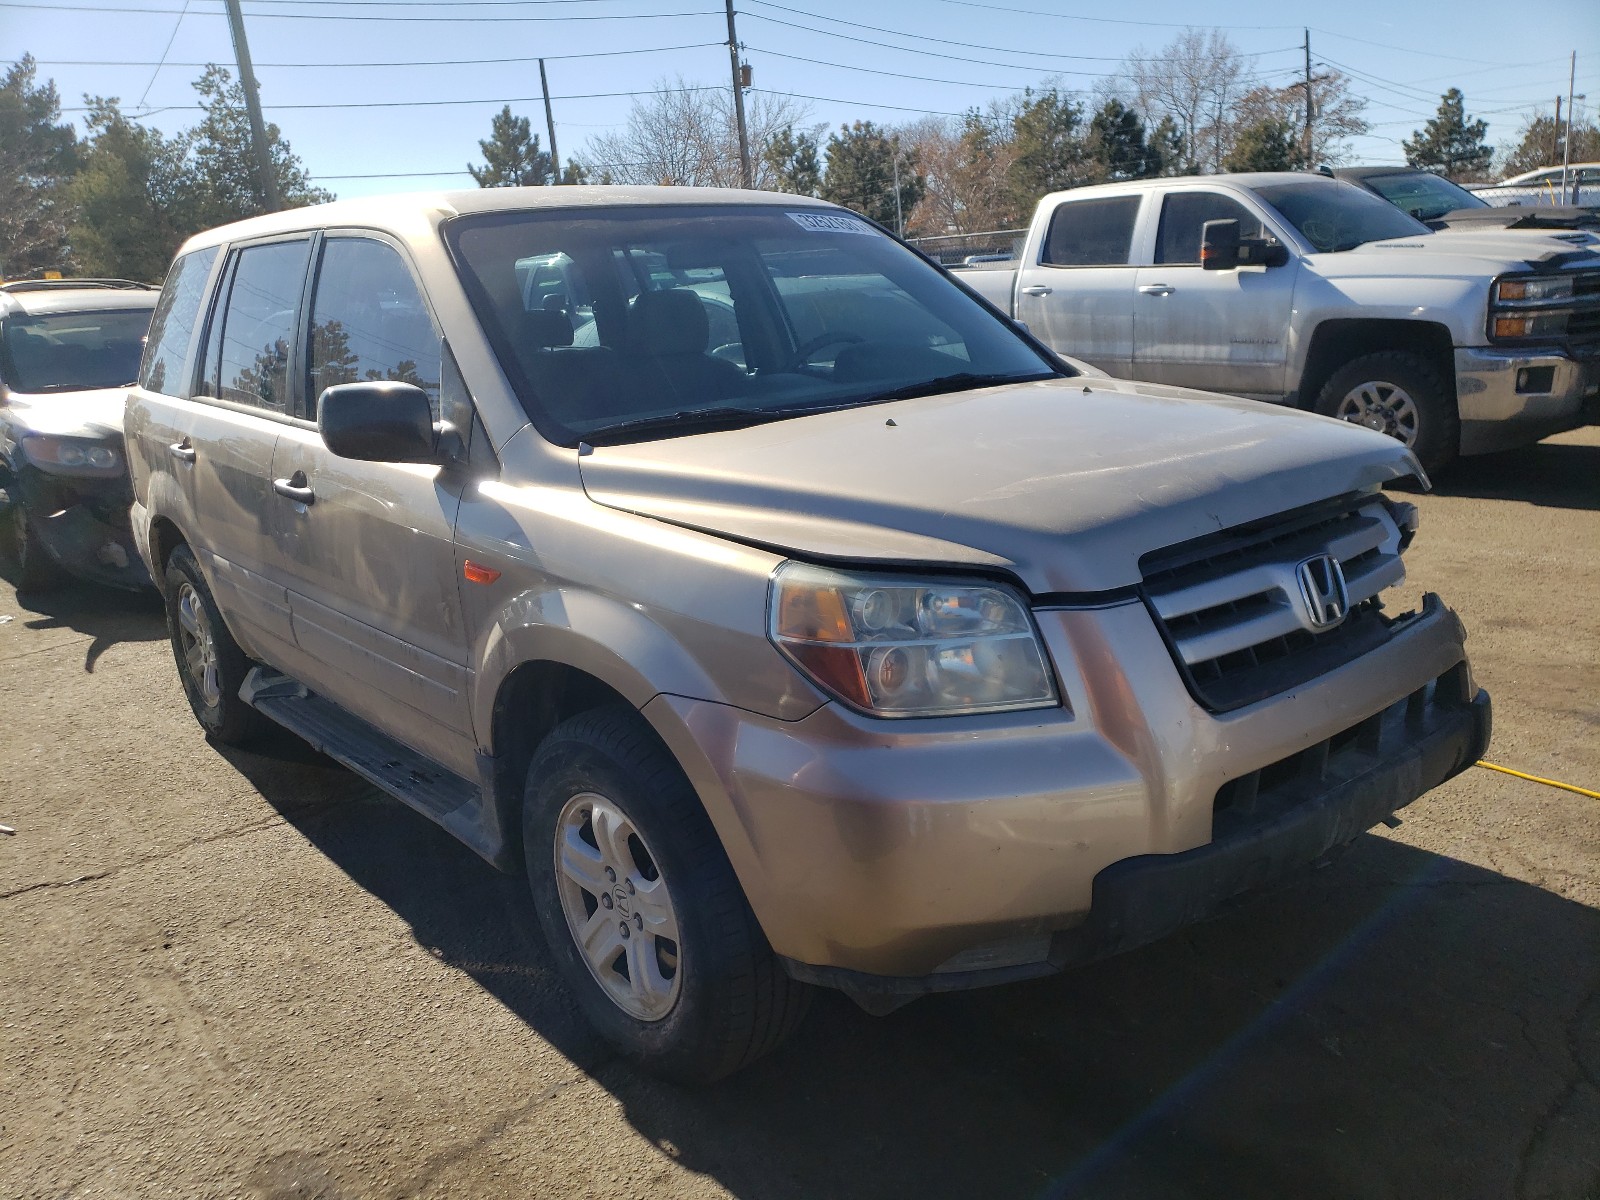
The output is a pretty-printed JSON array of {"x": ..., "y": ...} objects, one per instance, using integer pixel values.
[{"x": 82, "y": 525}]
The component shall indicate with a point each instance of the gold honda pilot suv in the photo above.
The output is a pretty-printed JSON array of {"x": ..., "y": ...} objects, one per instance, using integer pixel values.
[{"x": 786, "y": 614}]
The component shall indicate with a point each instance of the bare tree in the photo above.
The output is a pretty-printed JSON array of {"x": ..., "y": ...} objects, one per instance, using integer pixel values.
[
  {"x": 1195, "y": 80},
  {"x": 967, "y": 163},
  {"x": 1335, "y": 113},
  {"x": 687, "y": 135}
]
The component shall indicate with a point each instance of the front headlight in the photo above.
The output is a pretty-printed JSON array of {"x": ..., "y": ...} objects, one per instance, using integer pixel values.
[
  {"x": 72, "y": 456},
  {"x": 897, "y": 647},
  {"x": 1534, "y": 287}
]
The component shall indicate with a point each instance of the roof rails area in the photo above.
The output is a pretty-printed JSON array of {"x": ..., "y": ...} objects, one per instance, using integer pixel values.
[{"x": 48, "y": 285}]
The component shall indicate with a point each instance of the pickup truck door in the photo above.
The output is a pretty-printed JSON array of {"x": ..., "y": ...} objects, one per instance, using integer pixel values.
[
  {"x": 369, "y": 546},
  {"x": 1223, "y": 331},
  {"x": 1078, "y": 296}
]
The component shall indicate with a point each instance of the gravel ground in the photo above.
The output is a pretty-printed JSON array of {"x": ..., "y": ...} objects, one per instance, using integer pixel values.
[{"x": 232, "y": 974}]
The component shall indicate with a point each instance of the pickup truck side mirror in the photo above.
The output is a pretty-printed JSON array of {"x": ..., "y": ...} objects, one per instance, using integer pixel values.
[
  {"x": 1222, "y": 249},
  {"x": 381, "y": 421},
  {"x": 1219, "y": 245}
]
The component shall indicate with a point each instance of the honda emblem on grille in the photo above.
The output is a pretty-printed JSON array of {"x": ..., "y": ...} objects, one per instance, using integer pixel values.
[{"x": 1323, "y": 591}]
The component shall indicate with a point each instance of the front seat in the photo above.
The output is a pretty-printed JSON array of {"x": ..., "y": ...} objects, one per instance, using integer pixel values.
[{"x": 668, "y": 334}]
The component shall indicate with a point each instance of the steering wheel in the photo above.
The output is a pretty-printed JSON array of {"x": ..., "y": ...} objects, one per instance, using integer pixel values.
[{"x": 805, "y": 350}]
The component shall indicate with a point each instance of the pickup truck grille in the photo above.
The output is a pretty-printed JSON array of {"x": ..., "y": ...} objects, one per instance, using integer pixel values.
[{"x": 1234, "y": 608}]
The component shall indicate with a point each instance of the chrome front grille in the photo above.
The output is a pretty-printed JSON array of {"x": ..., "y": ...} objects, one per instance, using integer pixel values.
[{"x": 1234, "y": 610}]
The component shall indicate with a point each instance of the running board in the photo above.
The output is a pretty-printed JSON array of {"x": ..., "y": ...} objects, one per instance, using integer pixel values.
[{"x": 418, "y": 782}]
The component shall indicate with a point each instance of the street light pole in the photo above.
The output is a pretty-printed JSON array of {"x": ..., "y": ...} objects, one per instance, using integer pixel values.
[{"x": 1566, "y": 144}]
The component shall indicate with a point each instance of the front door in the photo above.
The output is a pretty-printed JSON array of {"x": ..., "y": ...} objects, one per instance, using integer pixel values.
[
  {"x": 1222, "y": 331},
  {"x": 369, "y": 547}
]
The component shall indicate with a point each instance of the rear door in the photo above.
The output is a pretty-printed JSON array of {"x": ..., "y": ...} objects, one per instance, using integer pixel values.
[
  {"x": 1078, "y": 297},
  {"x": 1223, "y": 331},
  {"x": 370, "y": 560}
]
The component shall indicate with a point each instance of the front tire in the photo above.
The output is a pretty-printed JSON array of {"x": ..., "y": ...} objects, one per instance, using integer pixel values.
[
  {"x": 644, "y": 915},
  {"x": 211, "y": 665},
  {"x": 1402, "y": 395}
]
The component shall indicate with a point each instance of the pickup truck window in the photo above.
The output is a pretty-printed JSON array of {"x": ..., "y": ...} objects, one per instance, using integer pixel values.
[
  {"x": 1092, "y": 233},
  {"x": 247, "y": 352},
  {"x": 176, "y": 318},
  {"x": 1183, "y": 214},
  {"x": 1333, "y": 215},
  {"x": 719, "y": 313},
  {"x": 369, "y": 321}
]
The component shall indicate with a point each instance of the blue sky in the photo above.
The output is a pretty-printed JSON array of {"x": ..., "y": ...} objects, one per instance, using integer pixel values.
[{"x": 853, "y": 60}]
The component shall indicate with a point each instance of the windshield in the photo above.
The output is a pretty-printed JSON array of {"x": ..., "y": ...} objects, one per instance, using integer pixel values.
[
  {"x": 654, "y": 321},
  {"x": 1334, "y": 215},
  {"x": 1424, "y": 195},
  {"x": 64, "y": 352}
]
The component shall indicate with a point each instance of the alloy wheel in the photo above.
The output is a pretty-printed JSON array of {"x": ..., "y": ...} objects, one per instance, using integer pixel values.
[
  {"x": 618, "y": 909},
  {"x": 1385, "y": 407},
  {"x": 198, "y": 645}
]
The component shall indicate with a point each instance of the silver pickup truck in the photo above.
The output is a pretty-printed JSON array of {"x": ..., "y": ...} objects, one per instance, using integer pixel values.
[
  {"x": 783, "y": 613},
  {"x": 1317, "y": 294}
]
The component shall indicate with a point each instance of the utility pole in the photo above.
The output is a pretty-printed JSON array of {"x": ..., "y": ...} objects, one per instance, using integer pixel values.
[
  {"x": 1309, "y": 163},
  {"x": 899, "y": 217},
  {"x": 738, "y": 99},
  {"x": 252, "y": 106},
  {"x": 1566, "y": 143},
  {"x": 550, "y": 127},
  {"x": 1555, "y": 132}
]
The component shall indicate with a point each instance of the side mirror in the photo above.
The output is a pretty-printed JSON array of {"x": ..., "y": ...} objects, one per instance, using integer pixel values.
[
  {"x": 382, "y": 421},
  {"x": 1219, "y": 245}
]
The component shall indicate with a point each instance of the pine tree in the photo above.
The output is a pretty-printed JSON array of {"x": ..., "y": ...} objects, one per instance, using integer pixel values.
[
  {"x": 861, "y": 171},
  {"x": 1450, "y": 143},
  {"x": 794, "y": 161},
  {"x": 37, "y": 157},
  {"x": 1270, "y": 144},
  {"x": 1117, "y": 146},
  {"x": 128, "y": 196},
  {"x": 511, "y": 153},
  {"x": 1050, "y": 150}
]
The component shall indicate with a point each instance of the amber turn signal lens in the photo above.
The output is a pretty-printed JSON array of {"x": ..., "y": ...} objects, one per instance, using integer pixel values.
[
  {"x": 815, "y": 614},
  {"x": 478, "y": 573},
  {"x": 1512, "y": 326}
]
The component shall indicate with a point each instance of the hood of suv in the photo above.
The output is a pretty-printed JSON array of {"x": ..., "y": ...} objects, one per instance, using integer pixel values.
[
  {"x": 1063, "y": 484},
  {"x": 90, "y": 414}
]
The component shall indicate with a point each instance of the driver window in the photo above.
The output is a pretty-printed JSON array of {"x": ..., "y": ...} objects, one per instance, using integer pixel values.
[
  {"x": 1184, "y": 214},
  {"x": 369, "y": 322}
]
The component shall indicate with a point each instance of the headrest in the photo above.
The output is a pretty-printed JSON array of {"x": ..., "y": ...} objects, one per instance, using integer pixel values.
[
  {"x": 543, "y": 329},
  {"x": 669, "y": 322}
]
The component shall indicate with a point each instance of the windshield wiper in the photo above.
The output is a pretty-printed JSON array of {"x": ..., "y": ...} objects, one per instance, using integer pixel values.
[
  {"x": 961, "y": 381},
  {"x": 684, "y": 421}
]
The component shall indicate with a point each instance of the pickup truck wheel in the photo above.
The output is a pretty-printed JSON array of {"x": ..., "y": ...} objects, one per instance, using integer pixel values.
[
  {"x": 36, "y": 570},
  {"x": 644, "y": 915},
  {"x": 1399, "y": 394},
  {"x": 211, "y": 665}
]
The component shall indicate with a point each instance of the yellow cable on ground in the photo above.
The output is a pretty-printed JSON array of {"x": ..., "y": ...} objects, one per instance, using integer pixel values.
[{"x": 1565, "y": 787}]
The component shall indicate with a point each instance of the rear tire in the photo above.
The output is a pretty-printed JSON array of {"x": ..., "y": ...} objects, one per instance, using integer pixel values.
[
  {"x": 211, "y": 665},
  {"x": 623, "y": 860},
  {"x": 1401, "y": 394}
]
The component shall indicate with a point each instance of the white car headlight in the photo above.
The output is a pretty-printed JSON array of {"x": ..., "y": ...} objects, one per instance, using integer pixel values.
[{"x": 898, "y": 647}]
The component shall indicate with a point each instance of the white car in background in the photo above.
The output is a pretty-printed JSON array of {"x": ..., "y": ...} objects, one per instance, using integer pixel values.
[{"x": 1544, "y": 187}]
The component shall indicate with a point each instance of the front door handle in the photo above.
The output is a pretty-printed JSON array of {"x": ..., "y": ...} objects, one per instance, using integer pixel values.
[
  {"x": 182, "y": 451},
  {"x": 1156, "y": 289},
  {"x": 295, "y": 488},
  {"x": 1036, "y": 289}
]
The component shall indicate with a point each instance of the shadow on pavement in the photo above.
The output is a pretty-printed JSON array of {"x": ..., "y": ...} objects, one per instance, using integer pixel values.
[
  {"x": 106, "y": 615},
  {"x": 1550, "y": 474},
  {"x": 1396, "y": 1024}
]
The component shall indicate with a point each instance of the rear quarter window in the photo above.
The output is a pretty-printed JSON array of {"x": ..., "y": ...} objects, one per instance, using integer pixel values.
[{"x": 173, "y": 325}]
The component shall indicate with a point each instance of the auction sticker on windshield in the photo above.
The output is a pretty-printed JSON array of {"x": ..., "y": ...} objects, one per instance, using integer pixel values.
[{"x": 829, "y": 223}]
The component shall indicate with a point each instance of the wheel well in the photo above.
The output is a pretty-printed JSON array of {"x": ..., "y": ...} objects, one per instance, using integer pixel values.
[
  {"x": 1337, "y": 342},
  {"x": 533, "y": 700},
  {"x": 164, "y": 539}
]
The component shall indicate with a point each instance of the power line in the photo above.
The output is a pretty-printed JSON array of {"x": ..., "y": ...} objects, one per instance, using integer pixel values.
[
  {"x": 445, "y": 103},
  {"x": 444, "y": 62},
  {"x": 176, "y": 25},
  {"x": 456, "y": 20},
  {"x": 1029, "y": 12},
  {"x": 927, "y": 112},
  {"x": 895, "y": 74}
]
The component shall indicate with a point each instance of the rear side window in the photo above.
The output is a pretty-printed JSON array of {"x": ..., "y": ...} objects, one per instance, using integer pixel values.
[
  {"x": 369, "y": 321},
  {"x": 1092, "y": 233},
  {"x": 1183, "y": 214},
  {"x": 247, "y": 354},
  {"x": 176, "y": 318}
]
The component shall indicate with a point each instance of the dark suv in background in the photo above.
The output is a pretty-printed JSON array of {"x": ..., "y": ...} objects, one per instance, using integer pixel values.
[{"x": 68, "y": 349}]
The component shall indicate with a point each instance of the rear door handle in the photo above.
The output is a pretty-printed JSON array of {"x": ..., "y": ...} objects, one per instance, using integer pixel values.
[
  {"x": 1156, "y": 289},
  {"x": 1036, "y": 289},
  {"x": 295, "y": 488},
  {"x": 182, "y": 450}
]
